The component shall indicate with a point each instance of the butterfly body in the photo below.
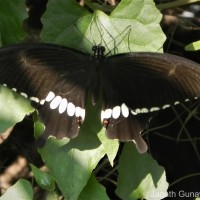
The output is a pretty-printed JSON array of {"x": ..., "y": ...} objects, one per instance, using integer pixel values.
[{"x": 59, "y": 79}]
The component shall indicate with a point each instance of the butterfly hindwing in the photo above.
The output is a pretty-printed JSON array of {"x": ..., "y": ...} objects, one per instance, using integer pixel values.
[
  {"x": 128, "y": 129},
  {"x": 144, "y": 83}
]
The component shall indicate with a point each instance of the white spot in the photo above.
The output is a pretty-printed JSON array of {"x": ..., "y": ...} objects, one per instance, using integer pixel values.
[
  {"x": 124, "y": 110},
  {"x": 176, "y": 102},
  {"x": 153, "y": 109},
  {"x": 82, "y": 113},
  {"x": 107, "y": 113},
  {"x": 78, "y": 111},
  {"x": 195, "y": 97},
  {"x": 133, "y": 112},
  {"x": 42, "y": 102},
  {"x": 14, "y": 89},
  {"x": 187, "y": 14},
  {"x": 116, "y": 112},
  {"x": 34, "y": 99},
  {"x": 137, "y": 110},
  {"x": 5, "y": 85},
  {"x": 166, "y": 106},
  {"x": 186, "y": 100},
  {"x": 62, "y": 106},
  {"x": 102, "y": 115},
  {"x": 24, "y": 94},
  {"x": 71, "y": 109},
  {"x": 55, "y": 102},
  {"x": 144, "y": 110},
  {"x": 50, "y": 96}
]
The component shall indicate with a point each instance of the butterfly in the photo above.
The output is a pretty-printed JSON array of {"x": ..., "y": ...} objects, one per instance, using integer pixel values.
[{"x": 58, "y": 80}]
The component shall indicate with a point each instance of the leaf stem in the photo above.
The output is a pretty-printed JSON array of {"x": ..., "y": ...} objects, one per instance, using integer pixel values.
[{"x": 90, "y": 5}]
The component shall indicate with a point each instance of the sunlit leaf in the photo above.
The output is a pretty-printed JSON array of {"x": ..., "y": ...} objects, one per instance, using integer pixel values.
[
  {"x": 110, "y": 146},
  {"x": 21, "y": 190},
  {"x": 140, "y": 176},
  {"x": 13, "y": 108},
  {"x": 193, "y": 46}
]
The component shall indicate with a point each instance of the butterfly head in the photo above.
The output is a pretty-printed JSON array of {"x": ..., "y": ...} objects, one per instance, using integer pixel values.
[{"x": 98, "y": 51}]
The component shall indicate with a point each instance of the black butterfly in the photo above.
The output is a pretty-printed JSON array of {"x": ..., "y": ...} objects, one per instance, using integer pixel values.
[{"x": 58, "y": 79}]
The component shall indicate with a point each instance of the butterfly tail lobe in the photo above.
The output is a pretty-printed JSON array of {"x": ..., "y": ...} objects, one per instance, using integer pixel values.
[{"x": 127, "y": 129}]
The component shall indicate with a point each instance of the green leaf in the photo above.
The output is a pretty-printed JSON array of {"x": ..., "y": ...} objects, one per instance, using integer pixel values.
[
  {"x": 71, "y": 162},
  {"x": 13, "y": 108},
  {"x": 43, "y": 179},
  {"x": 0, "y": 40},
  {"x": 193, "y": 46},
  {"x": 140, "y": 176},
  {"x": 38, "y": 127},
  {"x": 110, "y": 146},
  {"x": 21, "y": 190},
  {"x": 11, "y": 21},
  {"x": 93, "y": 191},
  {"x": 132, "y": 26},
  {"x": 144, "y": 19},
  {"x": 59, "y": 20}
]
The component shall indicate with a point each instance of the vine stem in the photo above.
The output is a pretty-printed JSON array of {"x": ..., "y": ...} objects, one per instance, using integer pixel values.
[
  {"x": 175, "y": 4},
  {"x": 183, "y": 178}
]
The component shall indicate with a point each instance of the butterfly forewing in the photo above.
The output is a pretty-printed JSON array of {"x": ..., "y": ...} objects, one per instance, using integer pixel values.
[
  {"x": 147, "y": 80},
  {"x": 39, "y": 69}
]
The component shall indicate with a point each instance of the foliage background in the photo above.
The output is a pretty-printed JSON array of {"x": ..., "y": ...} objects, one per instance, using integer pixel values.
[{"x": 173, "y": 138}]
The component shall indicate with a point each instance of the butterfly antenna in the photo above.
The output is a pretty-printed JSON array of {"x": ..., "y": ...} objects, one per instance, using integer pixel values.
[
  {"x": 94, "y": 43},
  {"x": 128, "y": 29},
  {"x": 172, "y": 36},
  {"x": 126, "y": 35},
  {"x": 100, "y": 28},
  {"x": 122, "y": 35},
  {"x": 84, "y": 38}
]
